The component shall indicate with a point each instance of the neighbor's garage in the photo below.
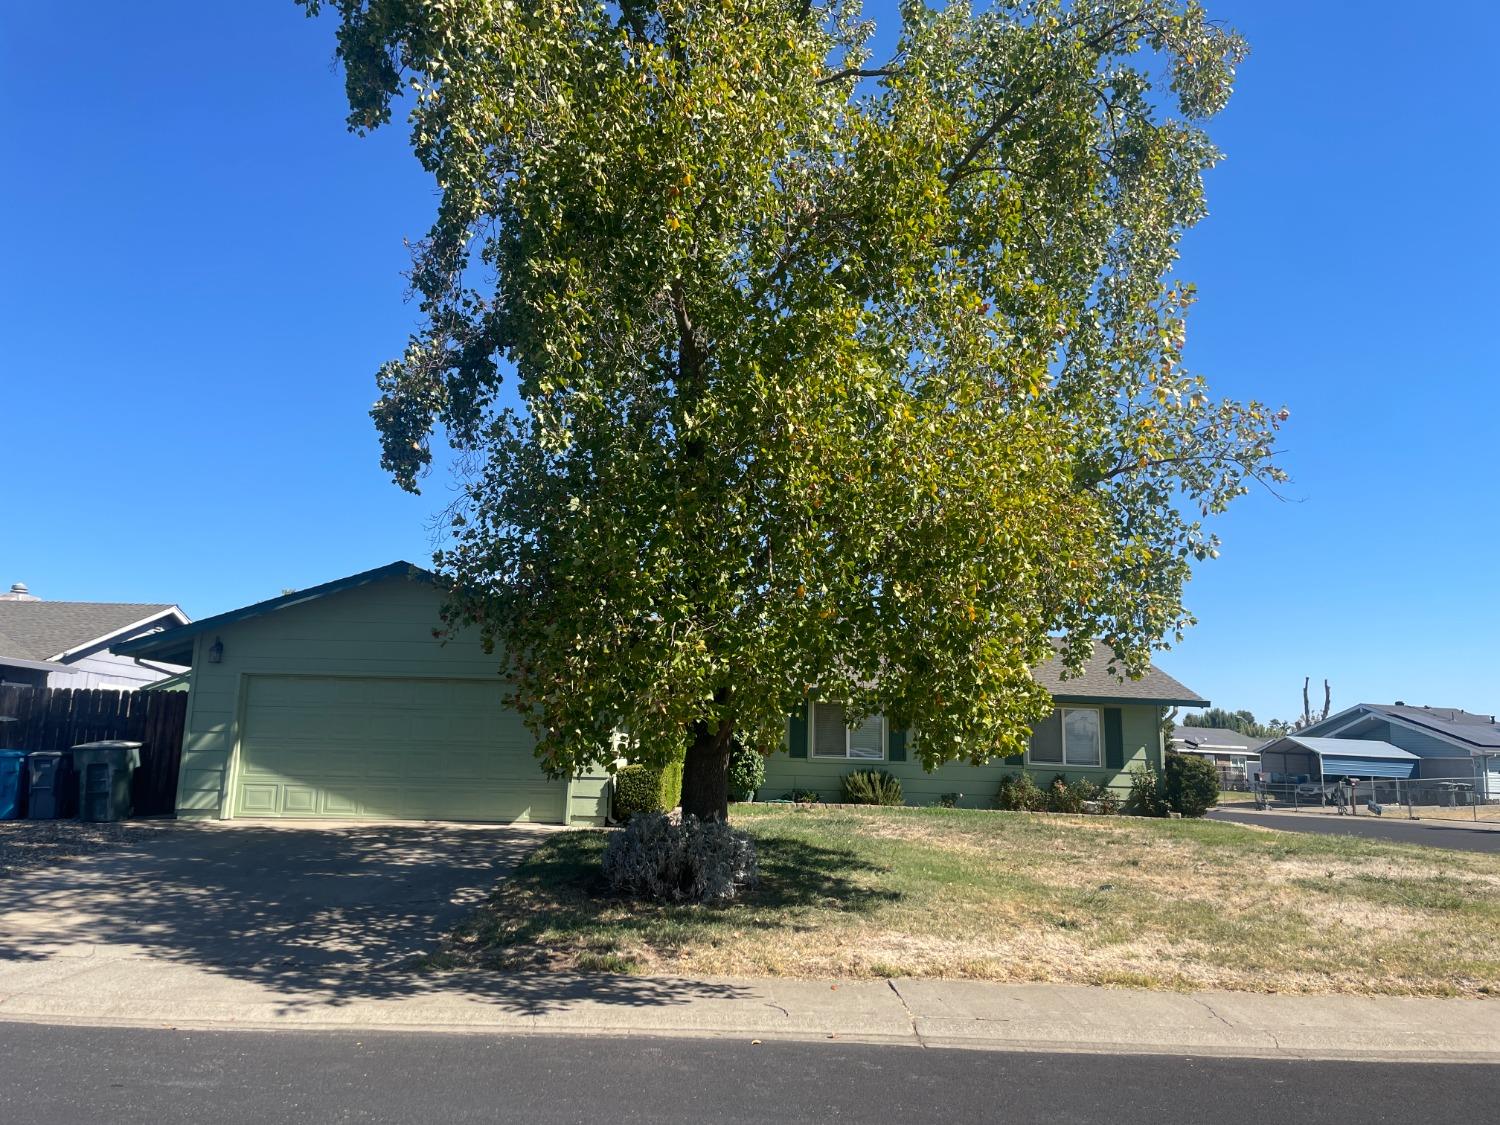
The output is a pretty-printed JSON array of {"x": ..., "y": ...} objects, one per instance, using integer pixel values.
[
  {"x": 347, "y": 701},
  {"x": 410, "y": 749}
]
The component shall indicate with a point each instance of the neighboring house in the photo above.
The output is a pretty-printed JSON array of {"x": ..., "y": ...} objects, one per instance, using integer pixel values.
[
  {"x": 1449, "y": 742},
  {"x": 1235, "y": 755},
  {"x": 67, "y": 644},
  {"x": 1102, "y": 729},
  {"x": 341, "y": 701}
]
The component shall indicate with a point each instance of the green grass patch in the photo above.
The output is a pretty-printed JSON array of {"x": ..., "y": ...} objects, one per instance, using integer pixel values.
[{"x": 1015, "y": 896}]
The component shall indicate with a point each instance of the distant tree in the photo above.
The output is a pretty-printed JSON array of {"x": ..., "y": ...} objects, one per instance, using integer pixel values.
[
  {"x": 1242, "y": 721},
  {"x": 1308, "y": 717},
  {"x": 828, "y": 373}
]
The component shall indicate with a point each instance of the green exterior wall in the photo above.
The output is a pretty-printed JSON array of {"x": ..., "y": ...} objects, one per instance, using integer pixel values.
[
  {"x": 1142, "y": 747},
  {"x": 384, "y": 629}
]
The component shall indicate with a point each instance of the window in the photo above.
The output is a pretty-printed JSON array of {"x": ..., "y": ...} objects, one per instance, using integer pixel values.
[
  {"x": 833, "y": 739},
  {"x": 1081, "y": 736}
]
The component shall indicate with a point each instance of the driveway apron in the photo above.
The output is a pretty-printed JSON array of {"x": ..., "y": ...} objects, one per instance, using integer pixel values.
[{"x": 341, "y": 908}]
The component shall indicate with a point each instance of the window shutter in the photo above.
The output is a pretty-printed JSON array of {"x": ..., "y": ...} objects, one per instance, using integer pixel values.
[
  {"x": 797, "y": 735},
  {"x": 897, "y": 746},
  {"x": 1114, "y": 738}
]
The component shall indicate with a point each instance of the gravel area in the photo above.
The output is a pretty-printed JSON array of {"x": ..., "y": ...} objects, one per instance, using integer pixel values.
[{"x": 26, "y": 844}]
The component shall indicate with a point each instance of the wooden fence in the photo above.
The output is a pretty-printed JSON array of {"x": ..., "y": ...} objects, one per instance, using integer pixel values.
[{"x": 56, "y": 719}]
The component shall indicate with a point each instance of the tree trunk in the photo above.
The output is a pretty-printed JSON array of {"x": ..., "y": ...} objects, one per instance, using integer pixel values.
[{"x": 705, "y": 773}]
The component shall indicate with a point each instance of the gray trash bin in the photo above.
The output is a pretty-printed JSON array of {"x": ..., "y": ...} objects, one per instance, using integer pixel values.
[
  {"x": 53, "y": 794},
  {"x": 104, "y": 772}
]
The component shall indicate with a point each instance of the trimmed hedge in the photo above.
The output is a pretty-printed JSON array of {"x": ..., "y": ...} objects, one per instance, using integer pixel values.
[
  {"x": 747, "y": 772},
  {"x": 647, "y": 789},
  {"x": 1192, "y": 784}
]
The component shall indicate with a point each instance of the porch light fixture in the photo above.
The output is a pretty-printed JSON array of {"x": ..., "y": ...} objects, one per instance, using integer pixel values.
[{"x": 216, "y": 652}]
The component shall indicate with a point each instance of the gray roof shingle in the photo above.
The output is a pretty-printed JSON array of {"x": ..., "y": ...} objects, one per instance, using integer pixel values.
[
  {"x": 1216, "y": 737},
  {"x": 40, "y": 630},
  {"x": 1097, "y": 682},
  {"x": 1465, "y": 726}
]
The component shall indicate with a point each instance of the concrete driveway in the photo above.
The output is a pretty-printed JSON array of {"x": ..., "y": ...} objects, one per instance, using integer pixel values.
[{"x": 336, "y": 909}]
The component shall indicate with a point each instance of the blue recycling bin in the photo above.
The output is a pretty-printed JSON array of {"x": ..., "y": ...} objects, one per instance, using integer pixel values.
[{"x": 12, "y": 784}]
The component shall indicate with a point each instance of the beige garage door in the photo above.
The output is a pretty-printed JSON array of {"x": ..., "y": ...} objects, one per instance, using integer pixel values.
[{"x": 409, "y": 749}]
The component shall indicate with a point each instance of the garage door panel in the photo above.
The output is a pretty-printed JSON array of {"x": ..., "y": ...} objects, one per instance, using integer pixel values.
[{"x": 388, "y": 748}]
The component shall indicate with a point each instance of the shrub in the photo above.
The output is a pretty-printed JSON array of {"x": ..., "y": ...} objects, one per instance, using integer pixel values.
[
  {"x": 1064, "y": 798},
  {"x": 1104, "y": 797},
  {"x": 747, "y": 772},
  {"x": 949, "y": 800},
  {"x": 647, "y": 789},
  {"x": 1146, "y": 796},
  {"x": 1192, "y": 784},
  {"x": 1020, "y": 794},
  {"x": 871, "y": 787},
  {"x": 695, "y": 861},
  {"x": 802, "y": 796}
]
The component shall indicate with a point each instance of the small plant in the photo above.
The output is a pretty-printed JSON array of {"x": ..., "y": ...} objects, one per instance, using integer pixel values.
[
  {"x": 1018, "y": 793},
  {"x": 1104, "y": 797},
  {"x": 872, "y": 787},
  {"x": 1064, "y": 798},
  {"x": 1192, "y": 784},
  {"x": 802, "y": 796},
  {"x": 641, "y": 789},
  {"x": 949, "y": 800},
  {"x": 1146, "y": 796},
  {"x": 747, "y": 772},
  {"x": 695, "y": 861}
]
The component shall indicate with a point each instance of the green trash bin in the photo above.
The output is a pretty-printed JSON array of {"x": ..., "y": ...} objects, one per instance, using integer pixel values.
[{"x": 104, "y": 771}]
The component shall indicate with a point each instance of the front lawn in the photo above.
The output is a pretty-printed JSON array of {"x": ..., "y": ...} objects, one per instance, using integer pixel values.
[
  {"x": 1235, "y": 797},
  {"x": 1022, "y": 897}
]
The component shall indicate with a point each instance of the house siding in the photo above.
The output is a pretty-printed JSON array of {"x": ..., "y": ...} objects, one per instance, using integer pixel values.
[
  {"x": 1141, "y": 747},
  {"x": 381, "y": 630}
]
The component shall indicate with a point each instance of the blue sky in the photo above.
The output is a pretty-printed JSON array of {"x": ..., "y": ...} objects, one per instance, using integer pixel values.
[{"x": 203, "y": 273}]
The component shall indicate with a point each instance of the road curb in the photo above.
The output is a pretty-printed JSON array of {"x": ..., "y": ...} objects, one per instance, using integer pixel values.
[{"x": 923, "y": 1014}]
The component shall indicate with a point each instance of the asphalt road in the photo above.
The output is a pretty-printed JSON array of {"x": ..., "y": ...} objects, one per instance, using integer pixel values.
[
  {"x": 1397, "y": 829},
  {"x": 68, "y": 1075}
]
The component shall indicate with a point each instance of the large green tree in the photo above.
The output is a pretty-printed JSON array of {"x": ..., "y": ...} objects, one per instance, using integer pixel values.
[{"x": 834, "y": 373}]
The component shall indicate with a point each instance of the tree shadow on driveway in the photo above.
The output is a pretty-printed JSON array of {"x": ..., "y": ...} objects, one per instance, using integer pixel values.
[{"x": 321, "y": 915}]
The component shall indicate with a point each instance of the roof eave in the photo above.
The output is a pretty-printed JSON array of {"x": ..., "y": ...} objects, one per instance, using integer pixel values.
[
  {"x": 130, "y": 628},
  {"x": 156, "y": 645},
  {"x": 1143, "y": 701}
]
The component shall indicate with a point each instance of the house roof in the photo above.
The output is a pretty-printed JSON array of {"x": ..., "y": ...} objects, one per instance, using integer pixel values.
[
  {"x": 45, "y": 630},
  {"x": 1342, "y": 748},
  {"x": 1465, "y": 729},
  {"x": 1465, "y": 726},
  {"x": 1100, "y": 684},
  {"x": 175, "y": 646},
  {"x": 1216, "y": 738}
]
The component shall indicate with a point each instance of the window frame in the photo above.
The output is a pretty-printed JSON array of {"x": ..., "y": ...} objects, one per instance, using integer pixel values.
[{"x": 812, "y": 736}]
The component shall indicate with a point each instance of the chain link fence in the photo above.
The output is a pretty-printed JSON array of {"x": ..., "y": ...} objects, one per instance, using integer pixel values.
[{"x": 1427, "y": 798}]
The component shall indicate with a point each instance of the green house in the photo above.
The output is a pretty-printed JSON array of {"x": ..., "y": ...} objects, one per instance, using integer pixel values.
[
  {"x": 1102, "y": 727},
  {"x": 342, "y": 702}
]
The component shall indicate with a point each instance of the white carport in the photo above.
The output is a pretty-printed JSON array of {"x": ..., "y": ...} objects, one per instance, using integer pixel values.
[{"x": 1296, "y": 758}]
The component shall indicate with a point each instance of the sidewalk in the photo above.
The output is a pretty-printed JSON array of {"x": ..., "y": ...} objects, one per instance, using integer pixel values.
[{"x": 89, "y": 986}]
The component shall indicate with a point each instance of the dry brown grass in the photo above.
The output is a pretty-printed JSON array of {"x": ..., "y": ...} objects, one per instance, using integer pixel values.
[{"x": 1019, "y": 897}]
